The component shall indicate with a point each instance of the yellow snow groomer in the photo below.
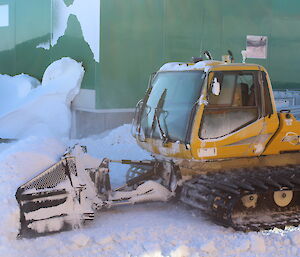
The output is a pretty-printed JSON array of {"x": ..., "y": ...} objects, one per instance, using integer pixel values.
[
  {"x": 218, "y": 143},
  {"x": 218, "y": 122}
]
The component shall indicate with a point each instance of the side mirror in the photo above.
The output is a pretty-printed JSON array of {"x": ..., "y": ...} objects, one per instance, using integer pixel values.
[
  {"x": 151, "y": 79},
  {"x": 216, "y": 87},
  {"x": 136, "y": 121}
]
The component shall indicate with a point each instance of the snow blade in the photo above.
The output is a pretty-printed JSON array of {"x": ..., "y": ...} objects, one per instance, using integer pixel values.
[{"x": 53, "y": 201}]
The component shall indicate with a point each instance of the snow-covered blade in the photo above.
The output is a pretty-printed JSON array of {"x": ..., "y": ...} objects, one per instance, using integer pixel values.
[
  {"x": 66, "y": 194},
  {"x": 60, "y": 198}
]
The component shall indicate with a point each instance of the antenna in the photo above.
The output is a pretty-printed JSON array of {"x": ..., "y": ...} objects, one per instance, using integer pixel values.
[
  {"x": 207, "y": 55},
  {"x": 231, "y": 56}
]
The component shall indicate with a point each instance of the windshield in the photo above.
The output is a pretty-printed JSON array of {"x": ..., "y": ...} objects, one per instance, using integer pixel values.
[{"x": 167, "y": 111}]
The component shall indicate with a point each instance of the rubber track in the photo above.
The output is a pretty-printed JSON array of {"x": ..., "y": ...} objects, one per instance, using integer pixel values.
[{"x": 218, "y": 195}]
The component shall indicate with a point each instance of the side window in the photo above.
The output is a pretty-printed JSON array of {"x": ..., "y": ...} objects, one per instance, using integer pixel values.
[
  {"x": 234, "y": 106},
  {"x": 267, "y": 97},
  {"x": 236, "y": 89},
  {"x": 246, "y": 91}
]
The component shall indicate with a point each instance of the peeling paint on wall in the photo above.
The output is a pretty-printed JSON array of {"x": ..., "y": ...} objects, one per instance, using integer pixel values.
[{"x": 87, "y": 13}]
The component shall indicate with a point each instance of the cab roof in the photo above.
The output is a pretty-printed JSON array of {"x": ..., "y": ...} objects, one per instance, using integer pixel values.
[{"x": 209, "y": 65}]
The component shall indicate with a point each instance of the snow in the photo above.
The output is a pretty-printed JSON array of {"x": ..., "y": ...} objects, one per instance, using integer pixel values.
[
  {"x": 148, "y": 191},
  {"x": 14, "y": 89},
  {"x": 145, "y": 229},
  {"x": 257, "y": 244},
  {"x": 181, "y": 66},
  {"x": 209, "y": 247},
  {"x": 148, "y": 229},
  {"x": 88, "y": 15},
  {"x": 46, "y": 45},
  {"x": 80, "y": 239},
  {"x": 29, "y": 107}
]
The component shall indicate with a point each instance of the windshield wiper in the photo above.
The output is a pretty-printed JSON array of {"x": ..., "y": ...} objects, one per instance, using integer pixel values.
[
  {"x": 156, "y": 115},
  {"x": 163, "y": 135}
]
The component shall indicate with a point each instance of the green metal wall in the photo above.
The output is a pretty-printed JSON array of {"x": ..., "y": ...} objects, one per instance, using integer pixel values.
[
  {"x": 138, "y": 36},
  {"x": 31, "y": 23}
]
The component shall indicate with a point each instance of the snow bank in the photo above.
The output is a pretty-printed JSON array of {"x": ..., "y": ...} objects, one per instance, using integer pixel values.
[
  {"x": 14, "y": 89},
  {"x": 116, "y": 145},
  {"x": 18, "y": 163},
  {"x": 30, "y": 108}
]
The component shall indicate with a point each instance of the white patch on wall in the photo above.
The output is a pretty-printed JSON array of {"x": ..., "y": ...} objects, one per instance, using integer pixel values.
[
  {"x": 257, "y": 47},
  {"x": 4, "y": 15},
  {"x": 60, "y": 15},
  {"x": 87, "y": 13}
]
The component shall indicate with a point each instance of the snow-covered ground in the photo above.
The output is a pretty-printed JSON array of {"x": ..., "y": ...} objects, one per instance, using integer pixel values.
[{"x": 149, "y": 229}]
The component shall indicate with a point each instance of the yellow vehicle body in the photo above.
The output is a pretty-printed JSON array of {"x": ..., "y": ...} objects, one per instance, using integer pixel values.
[{"x": 274, "y": 134}]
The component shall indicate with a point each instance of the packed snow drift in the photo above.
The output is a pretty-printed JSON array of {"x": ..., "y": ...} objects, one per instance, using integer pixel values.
[
  {"x": 39, "y": 116},
  {"x": 29, "y": 107}
]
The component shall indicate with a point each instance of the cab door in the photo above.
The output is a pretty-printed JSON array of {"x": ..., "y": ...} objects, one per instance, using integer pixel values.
[{"x": 239, "y": 118}]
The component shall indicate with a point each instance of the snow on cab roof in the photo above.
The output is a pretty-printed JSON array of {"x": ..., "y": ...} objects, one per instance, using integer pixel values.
[
  {"x": 202, "y": 65},
  {"x": 181, "y": 66}
]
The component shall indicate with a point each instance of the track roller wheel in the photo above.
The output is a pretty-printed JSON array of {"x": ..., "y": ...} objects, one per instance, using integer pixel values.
[
  {"x": 249, "y": 201},
  {"x": 283, "y": 197}
]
